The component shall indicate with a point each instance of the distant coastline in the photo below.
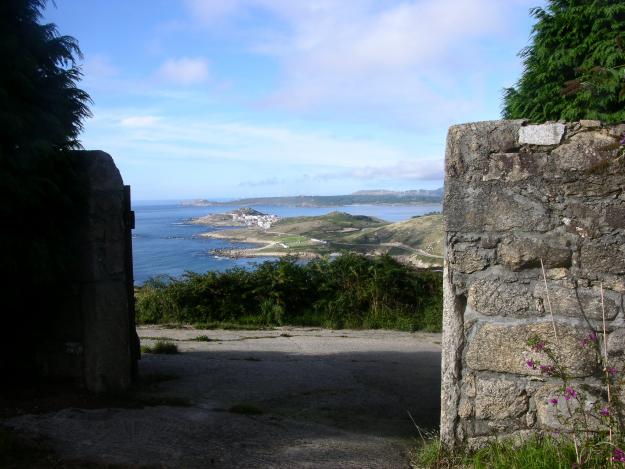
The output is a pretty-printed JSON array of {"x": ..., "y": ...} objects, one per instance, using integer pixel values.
[
  {"x": 417, "y": 241},
  {"x": 375, "y": 197},
  {"x": 165, "y": 242}
]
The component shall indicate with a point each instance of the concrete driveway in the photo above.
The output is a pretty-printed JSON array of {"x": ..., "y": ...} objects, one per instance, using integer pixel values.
[{"x": 285, "y": 398}]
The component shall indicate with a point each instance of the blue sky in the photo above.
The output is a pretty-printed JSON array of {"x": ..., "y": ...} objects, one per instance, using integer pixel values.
[{"x": 233, "y": 98}]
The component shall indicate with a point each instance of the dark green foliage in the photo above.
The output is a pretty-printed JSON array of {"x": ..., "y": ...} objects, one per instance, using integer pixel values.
[
  {"x": 41, "y": 196},
  {"x": 41, "y": 107},
  {"x": 349, "y": 292},
  {"x": 574, "y": 66}
]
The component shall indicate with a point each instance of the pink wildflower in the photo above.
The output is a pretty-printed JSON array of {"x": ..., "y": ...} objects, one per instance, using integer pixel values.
[
  {"x": 569, "y": 392},
  {"x": 538, "y": 347},
  {"x": 547, "y": 369},
  {"x": 618, "y": 455},
  {"x": 531, "y": 364},
  {"x": 612, "y": 370},
  {"x": 553, "y": 401},
  {"x": 605, "y": 412},
  {"x": 592, "y": 337}
]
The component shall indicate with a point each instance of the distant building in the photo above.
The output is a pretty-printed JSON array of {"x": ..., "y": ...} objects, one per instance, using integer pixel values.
[{"x": 254, "y": 219}]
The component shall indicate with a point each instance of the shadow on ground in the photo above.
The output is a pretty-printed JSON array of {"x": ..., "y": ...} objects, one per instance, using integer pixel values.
[{"x": 309, "y": 402}]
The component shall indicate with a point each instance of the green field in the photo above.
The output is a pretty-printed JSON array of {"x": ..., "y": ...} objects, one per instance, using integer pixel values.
[{"x": 418, "y": 241}]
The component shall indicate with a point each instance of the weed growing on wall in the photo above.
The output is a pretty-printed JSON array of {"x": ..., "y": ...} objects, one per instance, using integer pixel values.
[{"x": 593, "y": 418}]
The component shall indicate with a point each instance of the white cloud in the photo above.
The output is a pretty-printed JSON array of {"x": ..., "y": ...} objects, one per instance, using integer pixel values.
[
  {"x": 185, "y": 71},
  {"x": 423, "y": 61},
  {"x": 188, "y": 139},
  {"x": 422, "y": 170},
  {"x": 139, "y": 121}
]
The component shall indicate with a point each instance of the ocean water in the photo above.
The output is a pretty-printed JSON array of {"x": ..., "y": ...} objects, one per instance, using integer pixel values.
[{"x": 164, "y": 243}]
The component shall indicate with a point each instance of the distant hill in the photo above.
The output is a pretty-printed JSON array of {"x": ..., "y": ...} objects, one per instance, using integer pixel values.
[
  {"x": 418, "y": 241},
  {"x": 371, "y": 197},
  {"x": 419, "y": 192},
  {"x": 327, "y": 227}
]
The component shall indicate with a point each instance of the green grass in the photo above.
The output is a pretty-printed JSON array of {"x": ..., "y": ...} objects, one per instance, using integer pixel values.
[
  {"x": 244, "y": 408},
  {"x": 160, "y": 346},
  {"x": 202, "y": 338},
  {"x": 535, "y": 453}
]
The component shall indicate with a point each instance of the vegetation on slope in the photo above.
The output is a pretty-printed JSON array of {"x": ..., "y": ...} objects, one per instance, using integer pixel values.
[
  {"x": 351, "y": 291},
  {"x": 329, "y": 225},
  {"x": 420, "y": 236},
  {"x": 417, "y": 241}
]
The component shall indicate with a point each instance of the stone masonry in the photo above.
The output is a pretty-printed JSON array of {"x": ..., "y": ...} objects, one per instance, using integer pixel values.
[
  {"x": 94, "y": 342},
  {"x": 516, "y": 194},
  {"x": 110, "y": 342}
]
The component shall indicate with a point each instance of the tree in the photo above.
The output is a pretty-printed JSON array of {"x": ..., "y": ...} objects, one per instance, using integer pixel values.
[
  {"x": 41, "y": 198},
  {"x": 42, "y": 107},
  {"x": 574, "y": 67}
]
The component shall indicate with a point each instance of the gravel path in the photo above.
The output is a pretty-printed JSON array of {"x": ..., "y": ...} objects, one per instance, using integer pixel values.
[{"x": 329, "y": 399}]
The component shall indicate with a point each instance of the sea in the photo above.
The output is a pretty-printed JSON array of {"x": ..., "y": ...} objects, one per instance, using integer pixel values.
[{"x": 165, "y": 243}]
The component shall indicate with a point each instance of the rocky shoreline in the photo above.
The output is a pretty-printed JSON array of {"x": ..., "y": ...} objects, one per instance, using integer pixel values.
[{"x": 246, "y": 253}]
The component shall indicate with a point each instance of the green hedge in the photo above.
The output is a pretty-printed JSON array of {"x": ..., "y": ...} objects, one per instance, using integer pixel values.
[{"x": 350, "y": 291}]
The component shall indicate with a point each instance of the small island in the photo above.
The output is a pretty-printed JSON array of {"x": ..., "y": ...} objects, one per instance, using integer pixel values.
[{"x": 417, "y": 241}]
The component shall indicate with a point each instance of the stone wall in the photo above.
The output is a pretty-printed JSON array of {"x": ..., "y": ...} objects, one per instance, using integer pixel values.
[
  {"x": 516, "y": 194},
  {"x": 94, "y": 341}
]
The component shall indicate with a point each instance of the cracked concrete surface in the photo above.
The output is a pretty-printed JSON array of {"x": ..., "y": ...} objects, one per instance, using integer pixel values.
[{"x": 331, "y": 399}]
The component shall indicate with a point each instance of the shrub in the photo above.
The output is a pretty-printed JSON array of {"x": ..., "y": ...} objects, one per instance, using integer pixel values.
[{"x": 351, "y": 291}]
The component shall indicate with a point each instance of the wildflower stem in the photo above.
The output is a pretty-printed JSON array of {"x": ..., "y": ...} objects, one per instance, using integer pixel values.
[
  {"x": 605, "y": 354},
  {"x": 553, "y": 322},
  {"x": 605, "y": 342}
]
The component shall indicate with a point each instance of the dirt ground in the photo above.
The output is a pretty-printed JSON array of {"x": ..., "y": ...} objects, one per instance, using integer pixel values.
[{"x": 285, "y": 398}]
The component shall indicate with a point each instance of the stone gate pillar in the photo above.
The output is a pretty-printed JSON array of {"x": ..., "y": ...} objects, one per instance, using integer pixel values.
[
  {"x": 109, "y": 340},
  {"x": 515, "y": 195}
]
